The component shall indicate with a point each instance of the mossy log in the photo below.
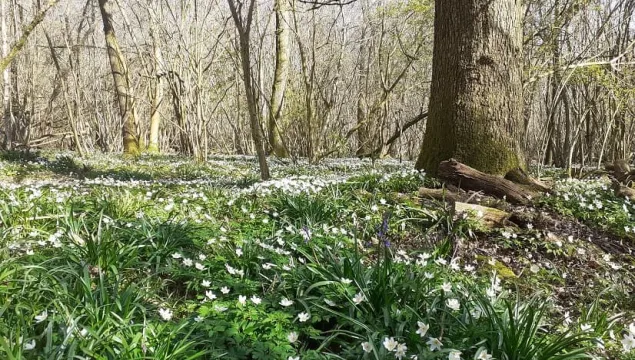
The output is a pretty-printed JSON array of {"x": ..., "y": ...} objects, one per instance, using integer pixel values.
[
  {"x": 486, "y": 216},
  {"x": 447, "y": 195},
  {"x": 468, "y": 178}
]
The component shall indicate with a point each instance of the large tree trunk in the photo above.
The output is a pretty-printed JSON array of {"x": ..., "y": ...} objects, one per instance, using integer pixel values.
[
  {"x": 121, "y": 81},
  {"x": 281, "y": 75},
  {"x": 476, "y": 95}
]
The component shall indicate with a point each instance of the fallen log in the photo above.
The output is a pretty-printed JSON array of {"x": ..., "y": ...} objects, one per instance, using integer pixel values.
[
  {"x": 621, "y": 171},
  {"x": 486, "y": 216},
  {"x": 442, "y": 195},
  {"x": 519, "y": 176},
  {"x": 468, "y": 178},
  {"x": 622, "y": 190}
]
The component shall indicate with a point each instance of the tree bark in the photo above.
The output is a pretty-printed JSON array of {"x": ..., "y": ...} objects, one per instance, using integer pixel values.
[
  {"x": 281, "y": 75},
  {"x": 6, "y": 77},
  {"x": 122, "y": 82},
  {"x": 468, "y": 178},
  {"x": 243, "y": 25},
  {"x": 476, "y": 95},
  {"x": 157, "y": 97}
]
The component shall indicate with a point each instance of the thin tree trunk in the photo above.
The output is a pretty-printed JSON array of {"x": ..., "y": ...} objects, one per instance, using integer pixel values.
[
  {"x": 244, "y": 28},
  {"x": 6, "y": 77},
  {"x": 281, "y": 75},
  {"x": 67, "y": 102},
  {"x": 157, "y": 98},
  {"x": 122, "y": 82}
]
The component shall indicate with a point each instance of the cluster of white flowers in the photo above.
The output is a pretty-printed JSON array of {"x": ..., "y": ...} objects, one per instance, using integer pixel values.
[{"x": 293, "y": 185}]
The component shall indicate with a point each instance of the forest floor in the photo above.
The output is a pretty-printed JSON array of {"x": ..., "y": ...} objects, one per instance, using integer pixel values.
[{"x": 166, "y": 258}]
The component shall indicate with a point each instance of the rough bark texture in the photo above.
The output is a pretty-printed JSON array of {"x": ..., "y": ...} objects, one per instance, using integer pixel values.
[
  {"x": 121, "y": 81},
  {"x": 476, "y": 94},
  {"x": 281, "y": 75},
  {"x": 468, "y": 178}
]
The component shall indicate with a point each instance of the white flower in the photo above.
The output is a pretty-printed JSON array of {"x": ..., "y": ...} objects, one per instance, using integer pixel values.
[
  {"x": 346, "y": 281},
  {"x": 367, "y": 347},
  {"x": 187, "y": 262},
  {"x": 256, "y": 300},
  {"x": 220, "y": 308},
  {"x": 434, "y": 344},
  {"x": 293, "y": 358},
  {"x": 628, "y": 342},
  {"x": 586, "y": 327},
  {"x": 567, "y": 319},
  {"x": 239, "y": 251},
  {"x": 534, "y": 268},
  {"x": 224, "y": 290},
  {"x": 206, "y": 283},
  {"x": 286, "y": 302},
  {"x": 490, "y": 292},
  {"x": 423, "y": 328},
  {"x": 30, "y": 345},
  {"x": 166, "y": 314},
  {"x": 199, "y": 266},
  {"x": 330, "y": 302},
  {"x": 447, "y": 287},
  {"x": 400, "y": 351},
  {"x": 292, "y": 337},
  {"x": 210, "y": 294},
  {"x": 428, "y": 275},
  {"x": 198, "y": 319},
  {"x": 41, "y": 317},
  {"x": 202, "y": 257},
  {"x": 453, "y": 304},
  {"x": 374, "y": 208},
  {"x": 390, "y": 344},
  {"x": 358, "y": 298},
  {"x": 631, "y": 329},
  {"x": 242, "y": 299},
  {"x": 454, "y": 355},
  {"x": 303, "y": 316},
  {"x": 482, "y": 354}
]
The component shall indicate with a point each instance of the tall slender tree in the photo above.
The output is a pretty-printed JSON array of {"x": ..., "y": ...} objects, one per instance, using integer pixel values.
[
  {"x": 280, "y": 79},
  {"x": 475, "y": 112},
  {"x": 243, "y": 26},
  {"x": 121, "y": 80}
]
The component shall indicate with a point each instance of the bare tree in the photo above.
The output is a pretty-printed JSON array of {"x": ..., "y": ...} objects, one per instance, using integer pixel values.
[
  {"x": 121, "y": 80},
  {"x": 243, "y": 26},
  {"x": 280, "y": 79}
]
